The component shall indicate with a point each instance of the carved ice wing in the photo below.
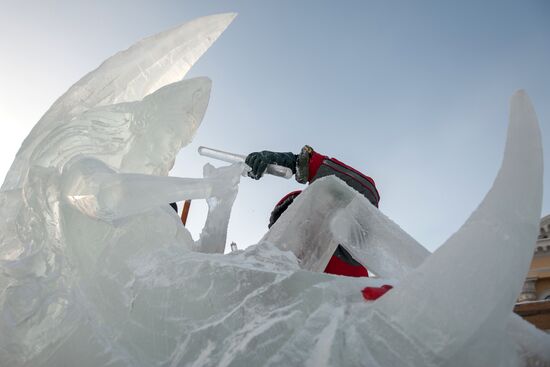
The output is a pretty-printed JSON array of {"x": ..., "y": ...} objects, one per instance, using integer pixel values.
[
  {"x": 143, "y": 68},
  {"x": 128, "y": 76}
]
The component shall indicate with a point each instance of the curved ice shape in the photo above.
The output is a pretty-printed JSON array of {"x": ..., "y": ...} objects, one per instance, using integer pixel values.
[{"x": 480, "y": 269}]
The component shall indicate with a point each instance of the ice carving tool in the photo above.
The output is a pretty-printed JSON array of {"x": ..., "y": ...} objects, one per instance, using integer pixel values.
[{"x": 272, "y": 169}]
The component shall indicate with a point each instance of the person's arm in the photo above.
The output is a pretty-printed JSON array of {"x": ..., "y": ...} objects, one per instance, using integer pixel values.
[
  {"x": 311, "y": 166},
  {"x": 102, "y": 193},
  {"x": 258, "y": 162},
  {"x": 214, "y": 233}
]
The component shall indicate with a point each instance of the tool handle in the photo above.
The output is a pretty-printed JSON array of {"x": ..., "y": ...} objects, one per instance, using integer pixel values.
[
  {"x": 272, "y": 169},
  {"x": 221, "y": 155},
  {"x": 279, "y": 171}
]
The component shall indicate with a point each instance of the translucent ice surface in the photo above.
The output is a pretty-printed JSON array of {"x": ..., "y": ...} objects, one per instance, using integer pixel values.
[{"x": 97, "y": 270}]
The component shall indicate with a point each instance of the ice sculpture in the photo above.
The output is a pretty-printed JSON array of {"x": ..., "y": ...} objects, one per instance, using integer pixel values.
[
  {"x": 128, "y": 76},
  {"x": 96, "y": 269}
]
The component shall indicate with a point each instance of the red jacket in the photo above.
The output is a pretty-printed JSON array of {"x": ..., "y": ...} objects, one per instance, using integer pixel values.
[{"x": 320, "y": 166}]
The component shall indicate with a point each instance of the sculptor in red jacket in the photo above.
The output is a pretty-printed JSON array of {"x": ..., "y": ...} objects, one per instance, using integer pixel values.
[{"x": 308, "y": 166}]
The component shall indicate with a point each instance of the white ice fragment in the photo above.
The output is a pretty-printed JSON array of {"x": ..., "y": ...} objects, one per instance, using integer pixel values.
[{"x": 224, "y": 191}]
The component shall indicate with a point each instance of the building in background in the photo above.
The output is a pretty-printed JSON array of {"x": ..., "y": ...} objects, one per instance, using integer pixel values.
[{"x": 534, "y": 301}]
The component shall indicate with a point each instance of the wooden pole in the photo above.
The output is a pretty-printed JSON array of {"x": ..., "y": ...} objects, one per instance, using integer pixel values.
[{"x": 185, "y": 211}]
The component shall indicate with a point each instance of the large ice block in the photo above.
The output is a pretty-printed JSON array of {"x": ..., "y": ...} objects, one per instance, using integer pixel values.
[{"x": 329, "y": 213}]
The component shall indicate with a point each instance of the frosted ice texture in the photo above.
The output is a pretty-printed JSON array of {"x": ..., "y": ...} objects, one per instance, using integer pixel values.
[{"x": 96, "y": 269}]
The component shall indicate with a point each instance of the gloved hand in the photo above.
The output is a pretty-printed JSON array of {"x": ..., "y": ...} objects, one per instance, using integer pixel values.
[{"x": 258, "y": 162}]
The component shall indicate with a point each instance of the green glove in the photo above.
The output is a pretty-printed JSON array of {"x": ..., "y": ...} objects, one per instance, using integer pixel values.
[{"x": 258, "y": 162}]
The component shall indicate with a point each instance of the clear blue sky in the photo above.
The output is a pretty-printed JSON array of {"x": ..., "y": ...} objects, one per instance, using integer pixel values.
[{"x": 412, "y": 93}]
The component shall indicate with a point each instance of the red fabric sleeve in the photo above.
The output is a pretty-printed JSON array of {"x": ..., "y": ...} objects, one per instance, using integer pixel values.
[
  {"x": 315, "y": 161},
  {"x": 293, "y": 193},
  {"x": 357, "y": 172},
  {"x": 321, "y": 165}
]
